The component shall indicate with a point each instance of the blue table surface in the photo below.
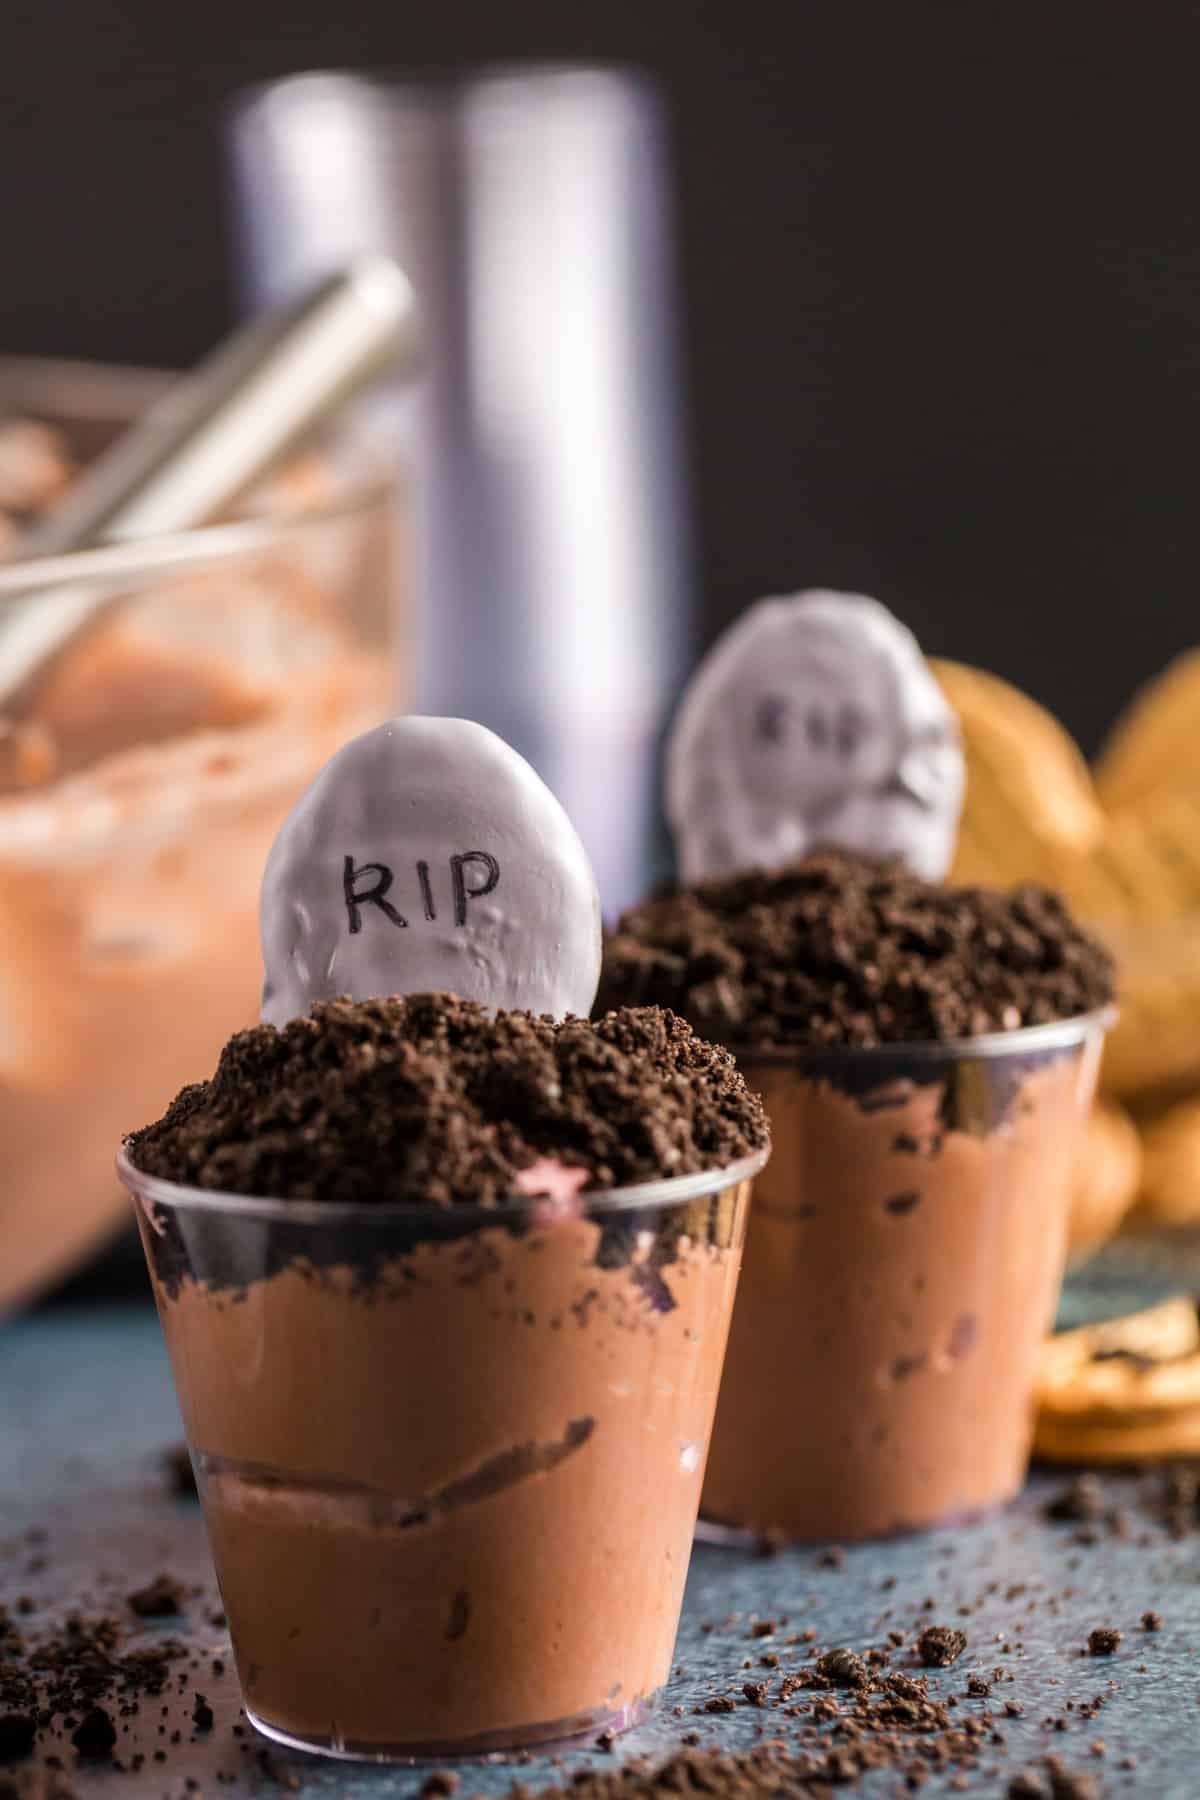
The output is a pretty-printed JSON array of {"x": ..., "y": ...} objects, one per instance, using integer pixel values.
[{"x": 87, "y": 1409}]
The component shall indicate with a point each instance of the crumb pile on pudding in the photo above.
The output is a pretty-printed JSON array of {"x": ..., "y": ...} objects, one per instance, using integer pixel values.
[
  {"x": 433, "y": 1100},
  {"x": 838, "y": 948}
]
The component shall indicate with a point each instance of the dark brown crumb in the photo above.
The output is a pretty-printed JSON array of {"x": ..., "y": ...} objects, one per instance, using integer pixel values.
[
  {"x": 440, "y": 1785},
  {"x": 1103, "y": 1641},
  {"x": 1152, "y": 1621},
  {"x": 771, "y": 1542},
  {"x": 17, "y": 1733},
  {"x": 159, "y": 1599},
  {"x": 1065, "y": 1785},
  {"x": 1026, "y": 1786},
  {"x": 720, "y": 1703},
  {"x": 844, "y": 1669},
  {"x": 940, "y": 1645},
  {"x": 203, "y": 1717},
  {"x": 272, "y": 1769},
  {"x": 177, "y": 1467},
  {"x": 1081, "y": 1501},
  {"x": 95, "y": 1735},
  {"x": 430, "y": 1100},
  {"x": 841, "y": 949}
]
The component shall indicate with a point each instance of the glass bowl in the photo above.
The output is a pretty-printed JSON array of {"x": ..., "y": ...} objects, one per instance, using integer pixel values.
[{"x": 140, "y": 796}]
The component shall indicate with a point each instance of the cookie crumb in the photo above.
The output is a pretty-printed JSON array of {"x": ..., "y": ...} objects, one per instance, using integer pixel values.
[
  {"x": 95, "y": 1735},
  {"x": 17, "y": 1733},
  {"x": 159, "y": 1599},
  {"x": 940, "y": 1645},
  {"x": 844, "y": 1669},
  {"x": 1080, "y": 1502},
  {"x": 440, "y": 1785}
]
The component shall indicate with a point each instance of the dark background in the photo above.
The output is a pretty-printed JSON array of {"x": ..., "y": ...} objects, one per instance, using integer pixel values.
[{"x": 940, "y": 268}]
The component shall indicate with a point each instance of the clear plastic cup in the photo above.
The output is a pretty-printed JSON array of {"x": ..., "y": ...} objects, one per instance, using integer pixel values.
[
  {"x": 450, "y": 1459},
  {"x": 902, "y": 1267}
]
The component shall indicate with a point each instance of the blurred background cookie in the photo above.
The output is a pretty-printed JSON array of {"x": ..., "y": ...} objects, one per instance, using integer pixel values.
[
  {"x": 1107, "y": 1181},
  {"x": 1154, "y": 743},
  {"x": 1030, "y": 803},
  {"x": 1124, "y": 849},
  {"x": 1127, "y": 1390},
  {"x": 1170, "y": 1184}
]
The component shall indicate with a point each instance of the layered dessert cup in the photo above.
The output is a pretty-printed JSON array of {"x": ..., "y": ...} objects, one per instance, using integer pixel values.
[
  {"x": 448, "y": 1364},
  {"x": 928, "y": 1059}
]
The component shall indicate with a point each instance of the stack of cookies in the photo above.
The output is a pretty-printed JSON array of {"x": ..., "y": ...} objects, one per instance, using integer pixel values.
[{"x": 1122, "y": 842}]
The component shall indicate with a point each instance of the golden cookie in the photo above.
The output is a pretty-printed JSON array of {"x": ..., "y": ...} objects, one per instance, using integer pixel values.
[
  {"x": 1170, "y": 1191},
  {"x": 1030, "y": 803},
  {"x": 1152, "y": 1440},
  {"x": 1126, "y": 1390},
  {"x": 1106, "y": 1180},
  {"x": 1141, "y": 1365},
  {"x": 1156, "y": 1042},
  {"x": 1154, "y": 744}
]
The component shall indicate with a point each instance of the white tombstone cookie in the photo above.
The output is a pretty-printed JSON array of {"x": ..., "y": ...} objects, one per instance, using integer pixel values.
[
  {"x": 427, "y": 856},
  {"x": 814, "y": 720}
]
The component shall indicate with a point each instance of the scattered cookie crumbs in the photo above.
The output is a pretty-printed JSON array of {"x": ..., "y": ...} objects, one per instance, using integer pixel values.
[{"x": 1105, "y": 1640}]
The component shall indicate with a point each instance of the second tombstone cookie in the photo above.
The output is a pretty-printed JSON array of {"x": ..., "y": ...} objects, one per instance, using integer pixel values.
[{"x": 813, "y": 721}]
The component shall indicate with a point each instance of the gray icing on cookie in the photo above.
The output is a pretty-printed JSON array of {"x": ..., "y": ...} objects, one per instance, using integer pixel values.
[
  {"x": 814, "y": 720},
  {"x": 428, "y": 856}
]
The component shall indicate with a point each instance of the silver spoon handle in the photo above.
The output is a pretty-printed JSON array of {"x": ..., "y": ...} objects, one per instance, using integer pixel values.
[{"x": 252, "y": 401}]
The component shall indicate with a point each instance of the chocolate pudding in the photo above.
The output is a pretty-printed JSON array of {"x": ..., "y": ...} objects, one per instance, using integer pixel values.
[
  {"x": 927, "y": 1057},
  {"x": 449, "y": 1377}
]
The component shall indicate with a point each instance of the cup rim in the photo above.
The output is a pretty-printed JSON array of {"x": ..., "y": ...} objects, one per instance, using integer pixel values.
[
  {"x": 990, "y": 1046},
  {"x": 666, "y": 1191}
]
